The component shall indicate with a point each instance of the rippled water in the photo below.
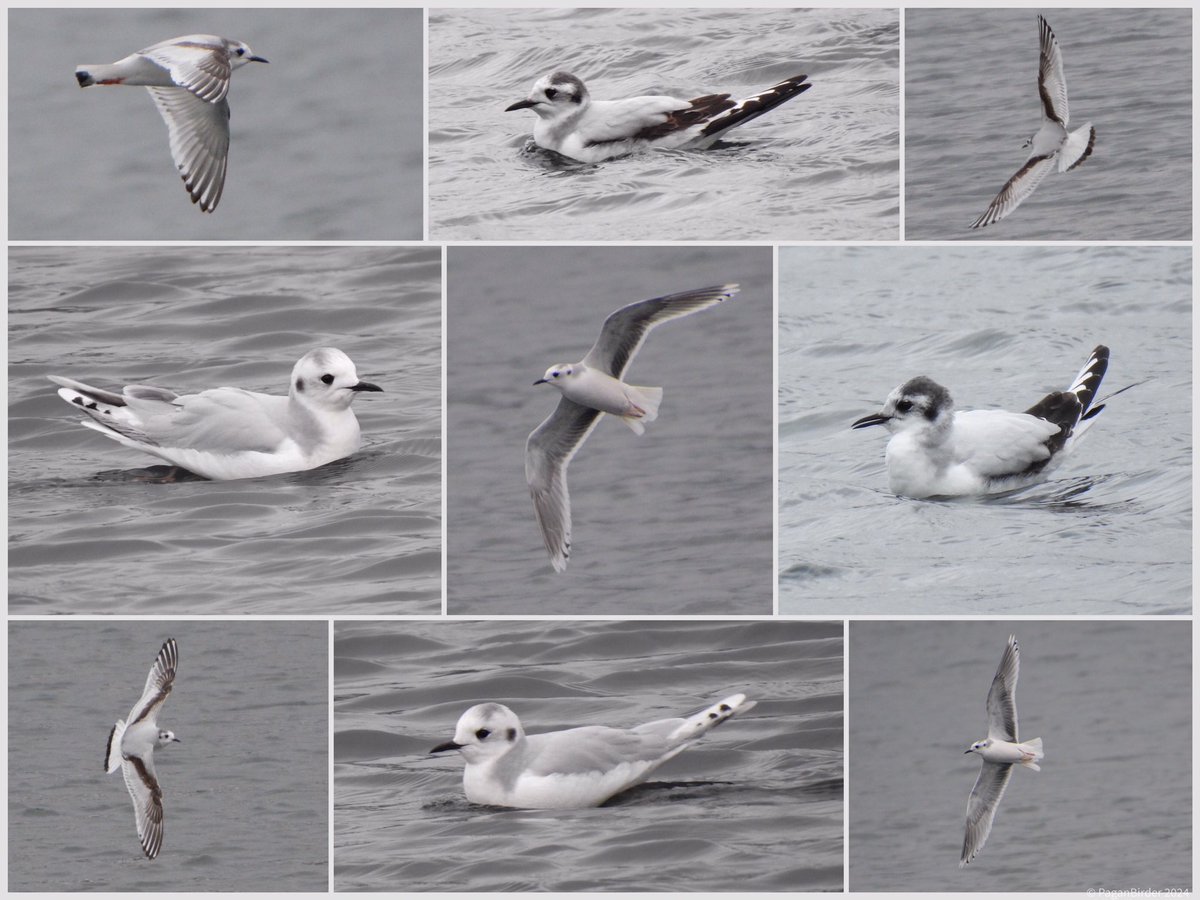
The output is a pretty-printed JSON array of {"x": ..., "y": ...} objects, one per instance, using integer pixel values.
[
  {"x": 1111, "y": 808},
  {"x": 971, "y": 99},
  {"x": 675, "y": 521},
  {"x": 823, "y": 165},
  {"x": 754, "y": 806},
  {"x": 325, "y": 141},
  {"x": 1111, "y": 532},
  {"x": 245, "y": 791},
  {"x": 359, "y": 535}
]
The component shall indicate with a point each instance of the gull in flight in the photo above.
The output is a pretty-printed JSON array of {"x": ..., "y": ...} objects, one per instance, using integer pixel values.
[
  {"x": 226, "y": 433},
  {"x": 1053, "y": 147},
  {"x": 936, "y": 451},
  {"x": 131, "y": 746},
  {"x": 590, "y": 388},
  {"x": 1001, "y": 750},
  {"x": 570, "y": 769},
  {"x": 188, "y": 77},
  {"x": 570, "y": 122}
]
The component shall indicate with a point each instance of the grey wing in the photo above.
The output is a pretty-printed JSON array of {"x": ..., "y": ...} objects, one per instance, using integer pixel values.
[
  {"x": 548, "y": 451},
  {"x": 1014, "y": 192},
  {"x": 158, "y": 684},
  {"x": 594, "y": 748},
  {"x": 199, "y": 135},
  {"x": 611, "y": 121},
  {"x": 1001, "y": 444},
  {"x": 625, "y": 329},
  {"x": 981, "y": 807},
  {"x": 223, "y": 420},
  {"x": 142, "y": 783},
  {"x": 1002, "y": 696},
  {"x": 200, "y": 68},
  {"x": 1052, "y": 86}
]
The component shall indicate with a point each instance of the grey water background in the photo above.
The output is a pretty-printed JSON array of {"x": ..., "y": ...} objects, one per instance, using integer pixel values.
[
  {"x": 822, "y": 165},
  {"x": 999, "y": 327},
  {"x": 971, "y": 100},
  {"x": 756, "y": 805},
  {"x": 245, "y": 791},
  {"x": 326, "y": 139},
  {"x": 675, "y": 521},
  {"x": 1110, "y": 809},
  {"x": 360, "y": 535}
]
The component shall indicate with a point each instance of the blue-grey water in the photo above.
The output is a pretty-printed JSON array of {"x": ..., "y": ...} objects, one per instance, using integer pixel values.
[
  {"x": 245, "y": 791},
  {"x": 360, "y": 535},
  {"x": 754, "y": 806},
  {"x": 822, "y": 165},
  {"x": 326, "y": 140},
  {"x": 971, "y": 100},
  {"x": 1111, "y": 808},
  {"x": 675, "y": 521},
  {"x": 999, "y": 327}
]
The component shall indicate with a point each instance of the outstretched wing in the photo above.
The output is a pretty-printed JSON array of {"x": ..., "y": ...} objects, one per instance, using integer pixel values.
[
  {"x": 142, "y": 783},
  {"x": 198, "y": 131},
  {"x": 981, "y": 807},
  {"x": 158, "y": 685},
  {"x": 196, "y": 64},
  {"x": 1052, "y": 86},
  {"x": 548, "y": 451},
  {"x": 1002, "y": 696},
  {"x": 625, "y": 330},
  {"x": 1014, "y": 192}
]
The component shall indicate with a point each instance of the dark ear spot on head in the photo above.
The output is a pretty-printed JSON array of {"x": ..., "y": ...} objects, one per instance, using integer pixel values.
[
  {"x": 300, "y": 385},
  {"x": 512, "y": 734}
]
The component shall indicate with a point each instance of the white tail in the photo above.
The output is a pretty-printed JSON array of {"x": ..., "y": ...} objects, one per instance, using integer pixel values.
[
  {"x": 112, "y": 753},
  {"x": 1034, "y": 747},
  {"x": 707, "y": 719},
  {"x": 647, "y": 399}
]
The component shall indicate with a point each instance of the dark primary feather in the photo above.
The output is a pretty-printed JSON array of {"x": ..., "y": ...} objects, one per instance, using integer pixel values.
[{"x": 755, "y": 106}]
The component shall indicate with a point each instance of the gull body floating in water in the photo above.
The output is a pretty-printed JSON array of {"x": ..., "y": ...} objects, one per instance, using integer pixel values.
[
  {"x": 590, "y": 388},
  {"x": 188, "y": 77},
  {"x": 570, "y": 769},
  {"x": 1053, "y": 146},
  {"x": 1001, "y": 750},
  {"x": 131, "y": 746},
  {"x": 936, "y": 451},
  {"x": 570, "y": 122},
  {"x": 226, "y": 433}
]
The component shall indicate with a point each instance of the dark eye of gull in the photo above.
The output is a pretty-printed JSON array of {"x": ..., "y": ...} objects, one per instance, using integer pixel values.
[
  {"x": 551, "y": 93},
  {"x": 327, "y": 379},
  {"x": 482, "y": 734},
  {"x": 904, "y": 406}
]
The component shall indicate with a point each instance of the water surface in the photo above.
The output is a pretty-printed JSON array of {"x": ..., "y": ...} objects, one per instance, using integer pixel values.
[
  {"x": 325, "y": 140},
  {"x": 823, "y": 165},
  {"x": 754, "y": 806},
  {"x": 971, "y": 100},
  {"x": 245, "y": 790},
  {"x": 361, "y": 534},
  {"x": 1110, "y": 532},
  {"x": 677, "y": 520},
  {"x": 1110, "y": 809}
]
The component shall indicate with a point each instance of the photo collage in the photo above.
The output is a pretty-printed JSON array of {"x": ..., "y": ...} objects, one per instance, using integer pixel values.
[{"x": 310, "y": 531}]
